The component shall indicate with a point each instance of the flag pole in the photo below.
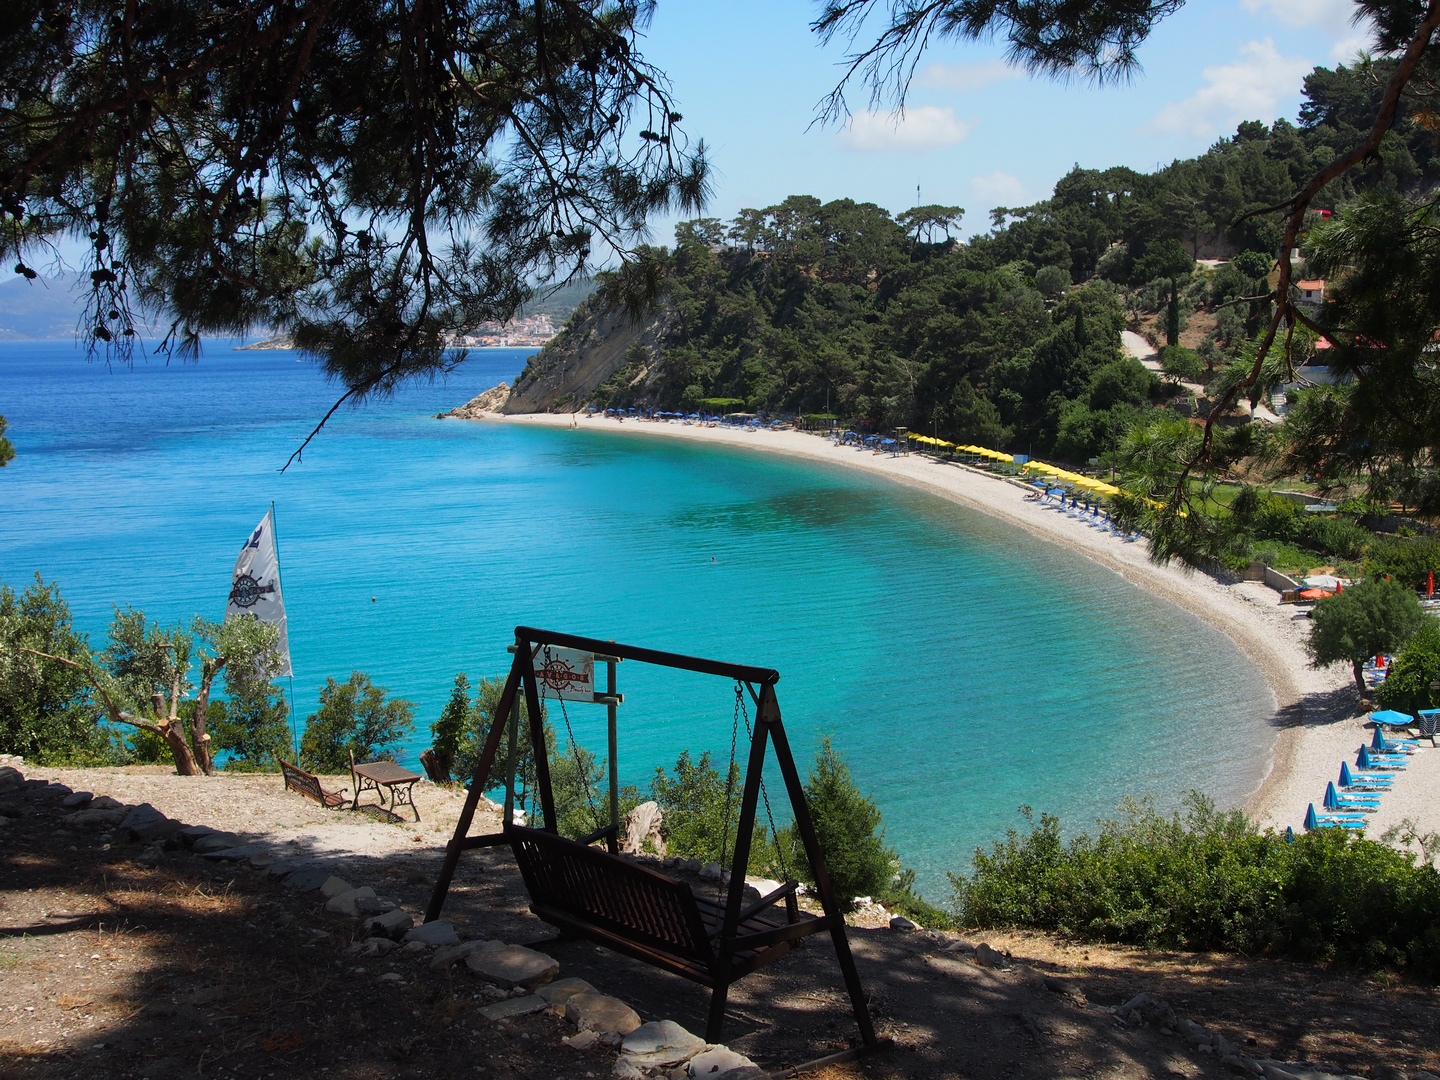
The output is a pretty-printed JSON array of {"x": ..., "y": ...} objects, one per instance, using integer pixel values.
[{"x": 294, "y": 734}]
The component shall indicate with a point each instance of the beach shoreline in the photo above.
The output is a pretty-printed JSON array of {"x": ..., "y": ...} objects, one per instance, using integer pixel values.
[{"x": 1313, "y": 713}]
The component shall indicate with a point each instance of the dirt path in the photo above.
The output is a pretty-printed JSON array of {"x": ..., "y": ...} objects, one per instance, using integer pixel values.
[{"x": 118, "y": 960}]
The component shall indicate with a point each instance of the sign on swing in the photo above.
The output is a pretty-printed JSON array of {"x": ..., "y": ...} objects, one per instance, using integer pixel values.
[{"x": 565, "y": 673}]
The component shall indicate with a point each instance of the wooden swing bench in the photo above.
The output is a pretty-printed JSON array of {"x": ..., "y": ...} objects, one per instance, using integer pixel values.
[
  {"x": 618, "y": 903},
  {"x": 644, "y": 914}
]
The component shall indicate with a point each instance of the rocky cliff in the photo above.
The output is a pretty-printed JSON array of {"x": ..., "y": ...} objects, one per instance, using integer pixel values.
[
  {"x": 488, "y": 402},
  {"x": 601, "y": 343}
]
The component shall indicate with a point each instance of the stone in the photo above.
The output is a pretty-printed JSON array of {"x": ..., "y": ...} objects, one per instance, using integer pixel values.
[
  {"x": 661, "y": 1043},
  {"x": 960, "y": 947},
  {"x": 560, "y": 991},
  {"x": 988, "y": 957},
  {"x": 240, "y": 853},
  {"x": 96, "y": 817},
  {"x": 333, "y": 886},
  {"x": 141, "y": 819},
  {"x": 391, "y": 977},
  {"x": 581, "y": 1040},
  {"x": 392, "y": 924},
  {"x": 641, "y": 831},
  {"x": 900, "y": 922},
  {"x": 307, "y": 880},
  {"x": 448, "y": 954},
  {"x": 216, "y": 841},
  {"x": 105, "y": 802},
  {"x": 599, "y": 1012},
  {"x": 715, "y": 1061},
  {"x": 369, "y": 906},
  {"x": 508, "y": 966},
  {"x": 1153, "y": 1009},
  {"x": 626, "y": 1069},
  {"x": 345, "y": 903},
  {"x": 77, "y": 800},
  {"x": 745, "y": 1072},
  {"x": 434, "y": 933},
  {"x": 1423, "y": 1075},
  {"x": 414, "y": 948},
  {"x": 10, "y": 777},
  {"x": 518, "y": 1006},
  {"x": 1192, "y": 1032},
  {"x": 56, "y": 790},
  {"x": 711, "y": 871}
]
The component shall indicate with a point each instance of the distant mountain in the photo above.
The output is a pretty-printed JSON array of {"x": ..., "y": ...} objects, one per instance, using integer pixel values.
[{"x": 40, "y": 310}]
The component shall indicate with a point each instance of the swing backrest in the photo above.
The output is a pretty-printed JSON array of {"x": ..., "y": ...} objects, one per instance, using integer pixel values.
[{"x": 594, "y": 893}]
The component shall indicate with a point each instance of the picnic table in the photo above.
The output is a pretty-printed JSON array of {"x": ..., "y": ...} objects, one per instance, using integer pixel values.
[{"x": 382, "y": 776}]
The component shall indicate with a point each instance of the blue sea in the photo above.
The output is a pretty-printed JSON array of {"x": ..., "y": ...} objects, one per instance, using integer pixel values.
[{"x": 964, "y": 668}]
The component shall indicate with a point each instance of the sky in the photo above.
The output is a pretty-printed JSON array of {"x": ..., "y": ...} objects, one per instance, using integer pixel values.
[{"x": 977, "y": 133}]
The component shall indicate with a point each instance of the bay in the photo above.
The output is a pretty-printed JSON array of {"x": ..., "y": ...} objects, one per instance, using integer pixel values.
[{"x": 963, "y": 667}]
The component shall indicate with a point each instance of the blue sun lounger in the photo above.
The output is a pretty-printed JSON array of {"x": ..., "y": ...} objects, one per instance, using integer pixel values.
[
  {"x": 1363, "y": 781},
  {"x": 1337, "y": 803},
  {"x": 1366, "y": 760},
  {"x": 1380, "y": 744},
  {"x": 1314, "y": 821}
]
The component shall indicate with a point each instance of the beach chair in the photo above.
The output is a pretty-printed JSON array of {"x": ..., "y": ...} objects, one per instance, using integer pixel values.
[
  {"x": 1339, "y": 804},
  {"x": 1315, "y": 821},
  {"x": 1382, "y": 745},
  {"x": 1363, "y": 782},
  {"x": 1384, "y": 762}
]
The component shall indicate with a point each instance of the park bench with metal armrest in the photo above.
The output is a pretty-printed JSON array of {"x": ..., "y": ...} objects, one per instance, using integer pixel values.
[{"x": 308, "y": 784}]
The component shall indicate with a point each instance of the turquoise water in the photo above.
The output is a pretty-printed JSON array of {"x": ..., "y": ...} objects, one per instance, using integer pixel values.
[{"x": 964, "y": 667}]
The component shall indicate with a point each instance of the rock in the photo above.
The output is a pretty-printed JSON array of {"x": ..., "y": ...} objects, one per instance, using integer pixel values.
[
  {"x": 307, "y": 880},
  {"x": 345, "y": 903},
  {"x": 391, "y": 977},
  {"x": 1153, "y": 1009},
  {"x": 715, "y": 1061},
  {"x": 141, "y": 818},
  {"x": 745, "y": 1072},
  {"x": 899, "y": 922},
  {"x": 988, "y": 957},
  {"x": 94, "y": 816},
  {"x": 518, "y": 1006},
  {"x": 392, "y": 924},
  {"x": 581, "y": 1040},
  {"x": 711, "y": 871},
  {"x": 661, "y": 1043},
  {"x": 560, "y": 991},
  {"x": 77, "y": 800},
  {"x": 1192, "y": 1032},
  {"x": 375, "y": 946},
  {"x": 56, "y": 790},
  {"x": 1423, "y": 1075},
  {"x": 960, "y": 947},
  {"x": 598, "y": 1012},
  {"x": 10, "y": 777},
  {"x": 448, "y": 954},
  {"x": 414, "y": 948},
  {"x": 105, "y": 802},
  {"x": 488, "y": 402},
  {"x": 433, "y": 933},
  {"x": 368, "y": 906},
  {"x": 263, "y": 860},
  {"x": 626, "y": 1069},
  {"x": 513, "y": 965},
  {"x": 214, "y": 841},
  {"x": 641, "y": 831},
  {"x": 1223, "y": 1047},
  {"x": 242, "y": 853},
  {"x": 333, "y": 886},
  {"x": 190, "y": 833}
]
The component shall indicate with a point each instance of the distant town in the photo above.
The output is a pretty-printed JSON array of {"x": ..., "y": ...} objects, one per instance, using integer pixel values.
[{"x": 531, "y": 330}]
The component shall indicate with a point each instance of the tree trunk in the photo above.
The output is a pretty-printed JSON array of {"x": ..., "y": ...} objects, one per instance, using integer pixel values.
[
  {"x": 1172, "y": 316},
  {"x": 174, "y": 736},
  {"x": 199, "y": 739},
  {"x": 1358, "y": 666}
]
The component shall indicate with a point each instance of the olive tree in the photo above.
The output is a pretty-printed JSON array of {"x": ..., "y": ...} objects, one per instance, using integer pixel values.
[{"x": 1375, "y": 616}]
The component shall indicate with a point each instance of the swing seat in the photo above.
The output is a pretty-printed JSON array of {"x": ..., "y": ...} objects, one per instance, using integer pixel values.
[{"x": 637, "y": 911}]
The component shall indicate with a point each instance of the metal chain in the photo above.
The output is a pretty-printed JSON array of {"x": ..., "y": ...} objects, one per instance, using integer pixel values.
[
  {"x": 730, "y": 779},
  {"x": 765, "y": 795}
]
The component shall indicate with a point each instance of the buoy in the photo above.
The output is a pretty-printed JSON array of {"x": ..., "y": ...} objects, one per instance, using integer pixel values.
[{"x": 372, "y": 599}]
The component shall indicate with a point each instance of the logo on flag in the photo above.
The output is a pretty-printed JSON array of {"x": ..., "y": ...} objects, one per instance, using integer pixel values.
[
  {"x": 255, "y": 585},
  {"x": 565, "y": 673}
]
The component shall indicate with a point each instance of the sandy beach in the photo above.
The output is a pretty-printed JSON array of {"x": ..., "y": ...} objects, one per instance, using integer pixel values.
[{"x": 1313, "y": 712}]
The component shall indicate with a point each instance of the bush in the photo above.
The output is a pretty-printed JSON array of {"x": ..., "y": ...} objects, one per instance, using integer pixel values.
[
  {"x": 1375, "y": 616},
  {"x": 1407, "y": 560},
  {"x": 1335, "y": 536},
  {"x": 1407, "y": 688},
  {"x": 354, "y": 717},
  {"x": 702, "y": 814},
  {"x": 1212, "y": 881},
  {"x": 450, "y": 728},
  {"x": 1181, "y": 364},
  {"x": 848, "y": 828},
  {"x": 46, "y": 714}
]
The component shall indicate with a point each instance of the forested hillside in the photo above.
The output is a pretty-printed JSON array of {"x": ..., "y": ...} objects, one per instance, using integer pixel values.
[{"x": 1011, "y": 339}]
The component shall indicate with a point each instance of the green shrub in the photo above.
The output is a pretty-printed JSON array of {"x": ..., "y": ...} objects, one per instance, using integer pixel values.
[
  {"x": 702, "y": 814},
  {"x": 353, "y": 717},
  {"x": 1181, "y": 364},
  {"x": 1211, "y": 881},
  {"x": 1336, "y": 536},
  {"x": 1407, "y": 687},
  {"x": 848, "y": 828},
  {"x": 1376, "y": 616},
  {"x": 449, "y": 729},
  {"x": 1407, "y": 560}
]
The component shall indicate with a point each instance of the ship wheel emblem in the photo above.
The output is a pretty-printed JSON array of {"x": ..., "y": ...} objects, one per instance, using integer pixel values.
[
  {"x": 246, "y": 591},
  {"x": 557, "y": 675}
]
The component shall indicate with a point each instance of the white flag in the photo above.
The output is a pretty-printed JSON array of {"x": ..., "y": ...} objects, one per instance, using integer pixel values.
[{"x": 255, "y": 585}]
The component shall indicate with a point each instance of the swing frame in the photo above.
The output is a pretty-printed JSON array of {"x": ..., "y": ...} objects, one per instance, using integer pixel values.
[{"x": 729, "y": 944}]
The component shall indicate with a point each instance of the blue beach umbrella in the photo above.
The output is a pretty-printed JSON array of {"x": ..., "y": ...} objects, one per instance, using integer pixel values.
[{"x": 1392, "y": 718}]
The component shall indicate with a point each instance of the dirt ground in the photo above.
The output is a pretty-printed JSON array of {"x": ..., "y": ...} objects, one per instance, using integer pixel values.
[{"x": 112, "y": 967}]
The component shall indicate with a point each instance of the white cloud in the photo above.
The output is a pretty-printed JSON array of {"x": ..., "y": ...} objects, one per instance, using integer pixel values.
[
  {"x": 1249, "y": 89},
  {"x": 999, "y": 189},
  {"x": 1333, "y": 18},
  {"x": 911, "y": 131},
  {"x": 963, "y": 77}
]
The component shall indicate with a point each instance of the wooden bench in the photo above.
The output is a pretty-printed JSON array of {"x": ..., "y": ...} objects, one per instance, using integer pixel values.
[
  {"x": 308, "y": 784},
  {"x": 636, "y": 911}
]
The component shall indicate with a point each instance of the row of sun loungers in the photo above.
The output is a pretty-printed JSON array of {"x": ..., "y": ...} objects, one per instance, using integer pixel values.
[{"x": 1360, "y": 789}]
